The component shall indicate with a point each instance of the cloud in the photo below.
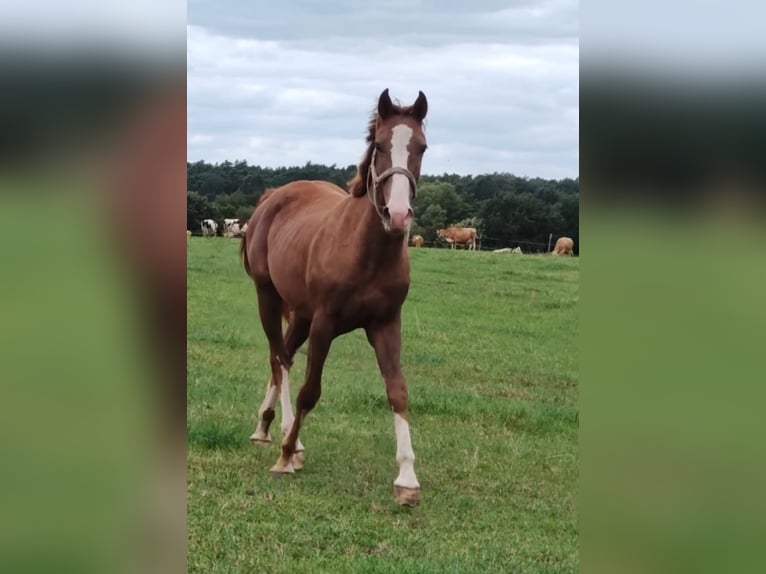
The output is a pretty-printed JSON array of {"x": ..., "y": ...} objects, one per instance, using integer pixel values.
[{"x": 285, "y": 86}]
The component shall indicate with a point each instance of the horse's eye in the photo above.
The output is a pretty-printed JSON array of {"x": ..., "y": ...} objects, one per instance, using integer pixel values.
[{"x": 379, "y": 147}]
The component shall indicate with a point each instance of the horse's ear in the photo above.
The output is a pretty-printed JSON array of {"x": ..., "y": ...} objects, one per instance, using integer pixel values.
[
  {"x": 420, "y": 107},
  {"x": 385, "y": 105}
]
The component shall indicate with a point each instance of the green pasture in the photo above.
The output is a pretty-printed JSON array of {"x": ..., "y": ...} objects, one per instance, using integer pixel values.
[{"x": 490, "y": 356}]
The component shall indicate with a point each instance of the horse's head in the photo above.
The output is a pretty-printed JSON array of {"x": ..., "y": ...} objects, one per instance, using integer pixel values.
[{"x": 390, "y": 170}]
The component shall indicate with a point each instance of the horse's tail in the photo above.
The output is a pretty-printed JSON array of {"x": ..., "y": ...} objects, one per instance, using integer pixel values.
[{"x": 243, "y": 253}]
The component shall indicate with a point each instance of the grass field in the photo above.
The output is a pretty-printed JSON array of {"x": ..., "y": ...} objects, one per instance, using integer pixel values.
[{"x": 489, "y": 353}]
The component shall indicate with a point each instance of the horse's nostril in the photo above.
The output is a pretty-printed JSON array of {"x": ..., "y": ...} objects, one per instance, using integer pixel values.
[
  {"x": 410, "y": 213},
  {"x": 386, "y": 213}
]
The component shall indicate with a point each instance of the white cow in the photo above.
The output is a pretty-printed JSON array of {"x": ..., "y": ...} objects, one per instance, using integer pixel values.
[
  {"x": 209, "y": 228},
  {"x": 234, "y": 228},
  {"x": 228, "y": 224},
  {"x": 508, "y": 250}
]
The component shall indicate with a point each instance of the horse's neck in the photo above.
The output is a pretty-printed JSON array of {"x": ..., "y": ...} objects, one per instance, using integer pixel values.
[{"x": 377, "y": 245}]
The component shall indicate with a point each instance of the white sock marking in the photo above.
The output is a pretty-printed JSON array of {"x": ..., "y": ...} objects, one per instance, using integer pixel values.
[
  {"x": 404, "y": 454},
  {"x": 268, "y": 403},
  {"x": 287, "y": 409}
]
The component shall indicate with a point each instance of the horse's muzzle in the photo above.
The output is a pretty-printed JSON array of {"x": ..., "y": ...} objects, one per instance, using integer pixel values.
[{"x": 397, "y": 220}]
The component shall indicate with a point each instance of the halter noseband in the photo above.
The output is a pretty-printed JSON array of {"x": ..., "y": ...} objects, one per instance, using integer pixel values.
[{"x": 375, "y": 179}]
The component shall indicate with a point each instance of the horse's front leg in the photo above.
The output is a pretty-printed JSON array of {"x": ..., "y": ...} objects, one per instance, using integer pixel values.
[{"x": 386, "y": 338}]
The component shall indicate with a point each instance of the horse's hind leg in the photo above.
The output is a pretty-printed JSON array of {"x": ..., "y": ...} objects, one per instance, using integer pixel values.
[
  {"x": 270, "y": 310},
  {"x": 296, "y": 335},
  {"x": 266, "y": 410},
  {"x": 320, "y": 337}
]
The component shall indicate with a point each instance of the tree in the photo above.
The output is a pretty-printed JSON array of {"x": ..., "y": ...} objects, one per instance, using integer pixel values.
[
  {"x": 444, "y": 195},
  {"x": 508, "y": 208},
  {"x": 212, "y": 185},
  {"x": 569, "y": 209},
  {"x": 197, "y": 209},
  {"x": 226, "y": 206},
  {"x": 433, "y": 218},
  {"x": 244, "y": 212},
  {"x": 516, "y": 217},
  {"x": 252, "y": 184}
]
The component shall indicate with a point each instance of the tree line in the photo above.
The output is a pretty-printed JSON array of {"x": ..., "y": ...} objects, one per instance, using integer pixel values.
[{"x": 507, "y": 210}]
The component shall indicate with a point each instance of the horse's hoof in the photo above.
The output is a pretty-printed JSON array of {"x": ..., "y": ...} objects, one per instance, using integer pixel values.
[
  {"x": 279, "y": 470},
  {"x": 298, "y": 460},
  {"x": 407, "y": 496},
  {"x": 263, "y": 439}
]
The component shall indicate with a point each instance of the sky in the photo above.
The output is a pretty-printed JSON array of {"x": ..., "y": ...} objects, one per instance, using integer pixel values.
[{"x": 290, "y": 82}]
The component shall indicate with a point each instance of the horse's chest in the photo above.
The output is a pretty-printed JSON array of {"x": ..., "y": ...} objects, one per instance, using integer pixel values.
[
  {"x": 356, "y": 295},
  {"x": 360, "y": 308}
]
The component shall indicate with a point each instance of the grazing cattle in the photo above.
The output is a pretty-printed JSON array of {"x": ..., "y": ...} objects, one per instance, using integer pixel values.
[
  {"x": 417, "y": 241},
  {"x": 459, "y": 236},
  {"x": 230, "y": 227},
  {"x": 339, "y": 261},
  {"x": 235, "y": 229},
  {"x": 564, "y": 246},
  {"x": 232, "y": 231},
  {"x": 209, "y": 228}
]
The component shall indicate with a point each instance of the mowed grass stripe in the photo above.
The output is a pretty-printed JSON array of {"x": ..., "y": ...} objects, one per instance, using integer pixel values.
[{"x": 489, "y": 352}]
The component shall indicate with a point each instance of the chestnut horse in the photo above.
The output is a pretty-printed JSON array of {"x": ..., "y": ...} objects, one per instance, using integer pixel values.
[{"x": 332, "y": 261}]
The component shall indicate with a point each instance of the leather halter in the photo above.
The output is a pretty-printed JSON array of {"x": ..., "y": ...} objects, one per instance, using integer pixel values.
[{"x": 375, "y": 179}]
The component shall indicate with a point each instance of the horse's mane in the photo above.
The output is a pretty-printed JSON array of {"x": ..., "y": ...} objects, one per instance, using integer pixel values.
[{"x": 358, "y": 185}]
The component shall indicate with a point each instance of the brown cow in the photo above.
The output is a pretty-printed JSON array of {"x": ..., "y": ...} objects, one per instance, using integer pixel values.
[
  {"x": 417, "y": 241},
  {"x": 459, "y": 235},
  {"x": 563, "y": 246}
]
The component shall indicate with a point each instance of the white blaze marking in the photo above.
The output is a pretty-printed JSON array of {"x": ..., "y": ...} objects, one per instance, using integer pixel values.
[
  {"x": 404, "y": 454},
  {"x": 287, "y": 409},
  {"x": 399, "y": 200}
]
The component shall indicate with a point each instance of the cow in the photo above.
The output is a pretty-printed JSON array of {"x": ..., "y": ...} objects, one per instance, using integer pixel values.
[
  {"x": 229, "y": 227},
  {"x": 459, "y": 236},
  {"x": 417, "y": 241},
  {"x": 188, "y": 234},
  {"x": 209, "y": 228},
  {"x": 563, "y": 246},
  {"x": 235, "y": 228}
]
